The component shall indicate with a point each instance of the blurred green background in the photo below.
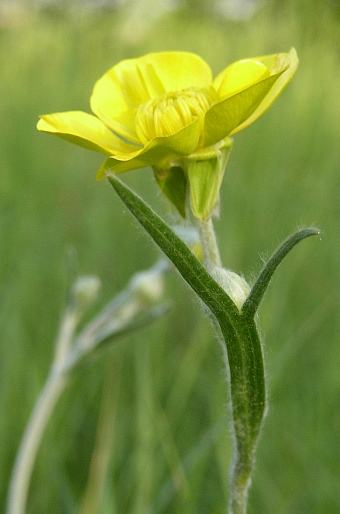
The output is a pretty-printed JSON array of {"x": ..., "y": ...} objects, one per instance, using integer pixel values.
[{"x": 154, "y": 404}]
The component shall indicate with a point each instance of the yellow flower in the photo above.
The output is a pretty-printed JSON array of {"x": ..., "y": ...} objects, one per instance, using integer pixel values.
[{"x": 165, "y": 110}]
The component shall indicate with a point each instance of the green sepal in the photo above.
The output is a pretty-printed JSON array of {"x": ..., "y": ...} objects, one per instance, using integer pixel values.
[
  {"x": 205, "y": 172},
  {"x": 173, "y": 184}
]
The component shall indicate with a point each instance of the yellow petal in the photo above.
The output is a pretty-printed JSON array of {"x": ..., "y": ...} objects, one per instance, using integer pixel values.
[
  {"x": 288, "y": 62},
  {"x": 239, "y": 76},
  {"x": 180, "y": 70},
  {"x": 159, "y": 150},
  {"x": 241, "y": 109},
  {"x": 83, "y": 130},
  {"x": 222, "y": 119},
  {"x": 133, "y": 82}
]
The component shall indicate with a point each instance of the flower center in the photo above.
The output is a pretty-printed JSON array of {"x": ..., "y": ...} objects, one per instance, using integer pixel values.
[{"x": 167, "y": 114}]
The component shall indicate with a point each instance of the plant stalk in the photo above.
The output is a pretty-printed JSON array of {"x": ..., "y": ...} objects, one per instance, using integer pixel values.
[
  {"x": 211, "y": 253},
  {"x": 54, "y": 386},
  {"x": 30, "y": 443}
]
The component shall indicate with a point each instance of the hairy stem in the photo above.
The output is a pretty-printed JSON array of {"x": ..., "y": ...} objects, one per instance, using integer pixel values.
[{"x": 211, "y": 253}]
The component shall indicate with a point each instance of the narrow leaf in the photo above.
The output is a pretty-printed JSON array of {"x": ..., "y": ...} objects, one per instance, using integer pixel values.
[{"x": 252, "y": 303}]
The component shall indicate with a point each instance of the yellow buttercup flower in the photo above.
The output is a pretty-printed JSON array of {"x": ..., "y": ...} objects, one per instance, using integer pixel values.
[{"x": 165, "y": 110}]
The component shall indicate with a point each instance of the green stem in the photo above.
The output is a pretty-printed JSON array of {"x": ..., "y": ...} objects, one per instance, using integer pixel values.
[
  {"x": 248, "y": 402},
  {"x": 30, "y": 443},
  {"x": 239, "y": 494},
  {"x": 211, "y": 253},
  {"x": 42, "y": 411},
  {"x": 245, "y": 444},
  {"x": 244, "y": 461}
]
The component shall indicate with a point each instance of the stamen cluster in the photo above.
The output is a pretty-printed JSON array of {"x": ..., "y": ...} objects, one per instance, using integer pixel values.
[{"x": 167, "y": 114}]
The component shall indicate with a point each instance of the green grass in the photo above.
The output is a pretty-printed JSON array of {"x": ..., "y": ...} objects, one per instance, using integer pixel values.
[{"x": 160, "y": 396}]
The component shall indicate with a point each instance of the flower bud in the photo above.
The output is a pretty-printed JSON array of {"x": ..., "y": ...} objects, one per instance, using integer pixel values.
[
  {"x": 234, "y": 285},
  {"x": 148, "y": 285},
  {"x": 85, "y": 292}
]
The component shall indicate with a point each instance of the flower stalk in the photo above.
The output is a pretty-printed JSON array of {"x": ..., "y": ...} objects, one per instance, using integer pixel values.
[
  {"x": 17, "y": 495},
  {"x": 135, "y": 306},
  {"x": 211, "y": 252}
]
